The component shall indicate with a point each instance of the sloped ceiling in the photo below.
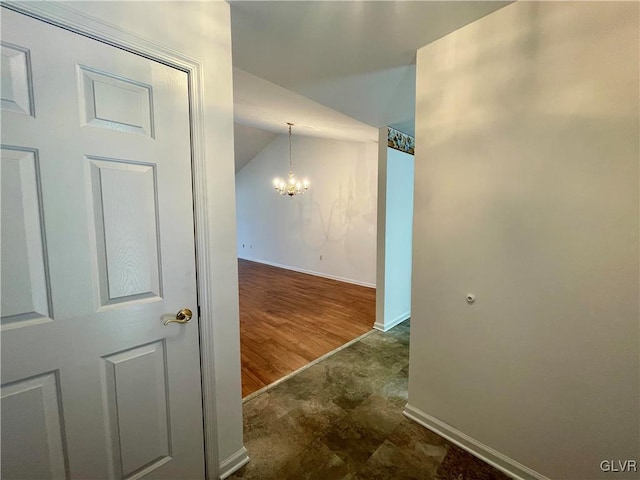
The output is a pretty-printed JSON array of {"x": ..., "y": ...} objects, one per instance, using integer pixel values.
[
  {"x": 262, "y": 104},
  {"x": 249, "y": 142},
  {"x": 356, "y": 57},
  {"x": 263, "y": 109}
]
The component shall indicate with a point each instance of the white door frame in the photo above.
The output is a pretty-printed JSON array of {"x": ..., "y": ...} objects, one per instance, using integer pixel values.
[{"x": 76, "y": 22}]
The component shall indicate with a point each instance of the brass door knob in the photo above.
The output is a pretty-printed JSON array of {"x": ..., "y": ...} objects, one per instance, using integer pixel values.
[{"x": 183, "y": 316}]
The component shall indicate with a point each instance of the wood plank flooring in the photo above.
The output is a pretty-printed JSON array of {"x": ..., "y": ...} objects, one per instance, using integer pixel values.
[{"x": 288, "y": 319}]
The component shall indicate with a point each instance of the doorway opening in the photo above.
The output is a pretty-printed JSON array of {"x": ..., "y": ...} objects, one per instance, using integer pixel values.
[{"x": 307, "y": 264}]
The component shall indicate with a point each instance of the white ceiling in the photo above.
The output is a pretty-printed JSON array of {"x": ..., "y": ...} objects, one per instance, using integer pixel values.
[
  {"x": 262, "y": 104},
  {"x": 263, "y": 109},
  {"x": 248, "y": 142},
  {"x": 356, "y": 57}
]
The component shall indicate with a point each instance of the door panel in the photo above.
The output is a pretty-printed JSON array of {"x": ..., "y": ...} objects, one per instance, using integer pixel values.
[
  {"x": 138, "y": 439},
  {"x": 125, "y": 216},
  {"x": 117, "y": 103},
  {"x": 97, "y": 251},
  {"x": 26, "y": 290},
  {"x": 16, "y": 84},
  {"x": 32, "y": 441}
]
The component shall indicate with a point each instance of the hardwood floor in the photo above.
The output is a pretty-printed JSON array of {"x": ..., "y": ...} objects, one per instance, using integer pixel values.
[{"x": 288, "y": 319}]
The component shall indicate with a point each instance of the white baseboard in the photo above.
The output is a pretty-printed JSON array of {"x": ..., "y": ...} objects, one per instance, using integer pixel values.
[
  {"x": 399, "y": 319},
  {"x": 311, "y": 272},
  {"x": 485, "y": 453},
  {"x": 233, "y": 463}
]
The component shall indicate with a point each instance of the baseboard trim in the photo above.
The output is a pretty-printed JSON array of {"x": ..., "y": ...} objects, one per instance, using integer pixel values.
[
  {"x": 234, "y": 463},
  {"x": 311, "y": 272},
  {"x": 485, "y": 453},
  {"x": 396, "y": 321}
]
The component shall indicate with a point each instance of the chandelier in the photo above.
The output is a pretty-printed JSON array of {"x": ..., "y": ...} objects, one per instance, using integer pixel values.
[{"x": 291, "y": 186}]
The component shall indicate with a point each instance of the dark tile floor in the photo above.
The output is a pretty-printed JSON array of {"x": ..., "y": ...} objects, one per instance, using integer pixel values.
[{"x": 342, "y": 419}]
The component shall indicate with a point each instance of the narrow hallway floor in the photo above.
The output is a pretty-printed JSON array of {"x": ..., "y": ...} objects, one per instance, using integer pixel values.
[{"x": 342, "y": 419}]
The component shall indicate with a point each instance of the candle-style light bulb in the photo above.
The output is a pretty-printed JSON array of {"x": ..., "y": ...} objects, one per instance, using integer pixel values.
[{"x": 290, "y": 185}]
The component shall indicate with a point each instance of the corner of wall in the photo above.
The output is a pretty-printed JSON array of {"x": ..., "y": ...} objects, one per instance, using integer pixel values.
[{"x": 381, "y": 225}]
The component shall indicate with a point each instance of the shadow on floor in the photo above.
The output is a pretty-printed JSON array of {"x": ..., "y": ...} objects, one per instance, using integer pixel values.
[{"x": 342, "y": 419}]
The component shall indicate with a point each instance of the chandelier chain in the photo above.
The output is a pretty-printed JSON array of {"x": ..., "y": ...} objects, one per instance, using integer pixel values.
[
  {"x": 291, "y": 186},
  {"x": 290, "y": 164}
]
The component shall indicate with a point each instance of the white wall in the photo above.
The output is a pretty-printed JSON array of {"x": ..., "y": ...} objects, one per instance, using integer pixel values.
[
  {"x": 207, "y": 39},
  {"x": 336, "y": 218},
  {"x": 395, "y": 215},
  {"x": 527, "y": 195}
]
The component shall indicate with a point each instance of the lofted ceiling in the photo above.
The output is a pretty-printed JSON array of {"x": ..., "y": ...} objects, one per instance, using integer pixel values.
[
  {"x": 262, "y": 104},
  {"x": 355, "y": 57},
  {"x": 248, "y": 142},
  {"x": 263, "y": 109}
]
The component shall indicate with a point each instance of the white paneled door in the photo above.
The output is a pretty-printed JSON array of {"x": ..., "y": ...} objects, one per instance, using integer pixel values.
[{"x": 97, "y": 253}]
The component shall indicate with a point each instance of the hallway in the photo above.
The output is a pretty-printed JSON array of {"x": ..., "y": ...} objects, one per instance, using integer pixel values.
[{"x": 342, "y": 419}]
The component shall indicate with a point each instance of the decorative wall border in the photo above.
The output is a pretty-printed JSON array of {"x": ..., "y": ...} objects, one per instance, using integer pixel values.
[{"x": 400, "y": 141}]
